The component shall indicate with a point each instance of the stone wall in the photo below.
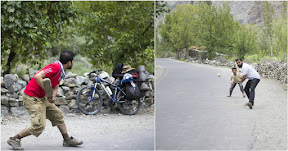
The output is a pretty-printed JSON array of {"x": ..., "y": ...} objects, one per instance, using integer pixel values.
[
  {"x": 266, "y": 69},
  {"x": 12, "y": 90}
]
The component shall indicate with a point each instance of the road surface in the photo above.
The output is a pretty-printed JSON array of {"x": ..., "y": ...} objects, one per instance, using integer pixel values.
[
  {"x": 193, "y": 112},
  {"x": 99, "y": 132}
]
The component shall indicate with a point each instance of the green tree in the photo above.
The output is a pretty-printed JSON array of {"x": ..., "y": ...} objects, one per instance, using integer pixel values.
[
  {"x": 163, "y": 42},
  {"x": 117, "y": 32},
  {"x": 178, "y": 30},
  {"x": 246, "y": 41},
  {"x": 280, "y": 38},
  {"x": 280, "y": 34},
  {"x": 199, "y": 25},
  {"x": 70, "y": 39},
  {"x": 216, "y": 28},
  {"x": 267, "y": 16},
  {"x": 182, "y": 34},
  {"x": 161, "y": 8},
  {"x": 28, "y": 28}
]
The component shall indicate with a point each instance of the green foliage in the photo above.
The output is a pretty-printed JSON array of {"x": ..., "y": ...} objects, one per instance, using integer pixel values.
[
  {"x": 245, "y": 41},
  {"x": 201, "y": 25},
  {"x": 28, "y": 28},
  {"x": 117, "y": 32},
  {"x": 213, "y": 27},
  {"x": 69, "y": 41},
  {"x": 280, "y": 37},
  {"x": 267, "y": 15},
  {"x": 81, "y": 66},
  {"x": 273, "y": 36},
  {"x": 163, "y": 51},
  {"x": 177, "y": 31},
  {"x": 161, "y": 8}
]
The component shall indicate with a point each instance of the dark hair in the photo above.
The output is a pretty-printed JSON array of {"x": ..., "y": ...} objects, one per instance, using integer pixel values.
[
  {"x": 238, "y": 59},
  {"x": 66, "y": 56},
  {"x": 234, "y": 68}
]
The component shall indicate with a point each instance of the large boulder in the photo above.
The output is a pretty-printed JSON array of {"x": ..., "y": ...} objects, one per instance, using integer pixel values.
[
  {"x": 82, "y": 80},
  {"x": 73, "y": 104},
  {"x": 21, "y": 92},
  {"x": 86, "y": 75},
  {"x": 90, "y": 83},
  {"x": 14, "y": 87},
  {"x": 65, "y": 89},
  {"x": 60, "y": 92},
  {"x": 21, "y": 100},
  {"x": 75, "y": 90},
  {"x": 4, "y": 110},
  {"x": 4, "y": 91},
  {"x": 10, "y": 79},
  {"x": 70, "y": 75},
  {"x": 4, "y": 100},
  {"x": 64, "y": 108},
  {"x": 13, "y": 102},
  {"x": 70, "y": 95},
  {"x": 61, "y": 101},
  {"x": 71, "y": 82},
  {"x": 22, "y": 83},
  {"x": 14, "y": 95},
  {"x": 19, "y": 111}
]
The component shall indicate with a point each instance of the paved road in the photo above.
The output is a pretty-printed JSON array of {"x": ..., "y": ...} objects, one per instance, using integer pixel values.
[{"x": 193, "y": 112}]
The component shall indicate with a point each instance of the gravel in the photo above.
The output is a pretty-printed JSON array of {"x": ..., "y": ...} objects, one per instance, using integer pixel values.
[{"x": 101, "y": 128}]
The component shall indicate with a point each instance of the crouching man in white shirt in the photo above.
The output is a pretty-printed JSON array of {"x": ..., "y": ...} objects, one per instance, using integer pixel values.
[{"x": 253, "y": 79}]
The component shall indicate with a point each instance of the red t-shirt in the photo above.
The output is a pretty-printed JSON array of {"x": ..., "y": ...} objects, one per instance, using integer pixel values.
[{"x": 53, "y": 72}]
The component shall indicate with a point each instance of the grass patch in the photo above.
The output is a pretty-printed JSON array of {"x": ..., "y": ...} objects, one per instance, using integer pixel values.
[{"x": 165, "y": 54}]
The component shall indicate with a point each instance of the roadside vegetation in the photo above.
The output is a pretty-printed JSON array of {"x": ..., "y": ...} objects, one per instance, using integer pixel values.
[
  {"x": 102, "y": 34},
  {"x": 204, "y": 25}
]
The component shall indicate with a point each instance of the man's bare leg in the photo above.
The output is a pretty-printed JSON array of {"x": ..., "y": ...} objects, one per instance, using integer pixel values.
[
  {"x": 68, "y": 141},
  {"x": 22, "y": 134},
  {"x": 63, "y": 130}
]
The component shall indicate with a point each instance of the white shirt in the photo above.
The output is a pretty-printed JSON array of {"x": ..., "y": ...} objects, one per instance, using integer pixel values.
[{"x": 250, "y": 72}]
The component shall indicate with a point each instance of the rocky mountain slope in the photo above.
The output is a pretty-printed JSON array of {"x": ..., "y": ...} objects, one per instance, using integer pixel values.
[{"x": 243, "y": 11}]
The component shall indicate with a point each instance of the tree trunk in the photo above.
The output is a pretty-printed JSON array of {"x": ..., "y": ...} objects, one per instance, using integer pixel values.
[
  {"x": 8, "y": 65},
  {"x": 271, "y": 52}
]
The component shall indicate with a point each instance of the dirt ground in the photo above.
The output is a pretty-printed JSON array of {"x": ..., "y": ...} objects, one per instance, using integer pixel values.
[{"x": 105, "y": 129}]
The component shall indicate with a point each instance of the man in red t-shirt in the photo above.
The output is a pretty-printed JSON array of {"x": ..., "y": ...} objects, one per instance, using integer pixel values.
[{"x": 41, "y": 105}]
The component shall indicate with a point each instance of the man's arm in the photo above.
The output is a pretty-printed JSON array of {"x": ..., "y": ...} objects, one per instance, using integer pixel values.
[
  {"x": 231, "y": 79},
  {"x": 55, "y": 90},
  {"x": 243, "y": 78},
  {"x": 39, "y": 78}
]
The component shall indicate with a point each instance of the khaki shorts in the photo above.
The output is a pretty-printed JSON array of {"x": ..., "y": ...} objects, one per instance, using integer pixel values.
[{"x": 40, "y": 109}]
